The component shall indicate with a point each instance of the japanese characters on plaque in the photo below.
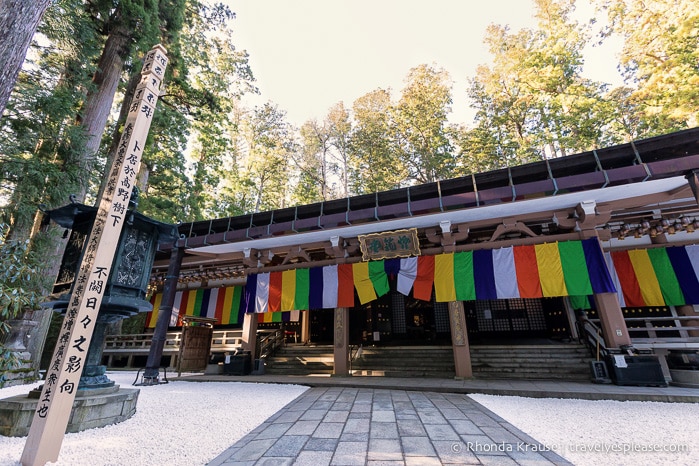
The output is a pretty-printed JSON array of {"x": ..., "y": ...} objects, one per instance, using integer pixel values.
[
  {"x": 389, "y": 244},
  {"x": 90, "y": 283}
]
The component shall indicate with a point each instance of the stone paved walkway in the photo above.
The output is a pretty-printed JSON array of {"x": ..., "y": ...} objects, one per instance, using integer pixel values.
[{"x": 370, "y": 426}]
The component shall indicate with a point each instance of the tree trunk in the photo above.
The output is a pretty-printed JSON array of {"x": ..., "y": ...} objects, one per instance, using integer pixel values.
[
  {"x": 18, "y": 22},
  {"x": 98, "y": 104},
  {"x": 116, "y": 134}
]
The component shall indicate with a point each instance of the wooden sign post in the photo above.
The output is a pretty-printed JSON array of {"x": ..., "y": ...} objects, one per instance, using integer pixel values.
[{"x": 63, "y": 376}]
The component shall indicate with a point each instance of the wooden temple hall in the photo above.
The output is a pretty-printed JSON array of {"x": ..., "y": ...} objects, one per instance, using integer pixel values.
[{"x": 596, "y": 249}]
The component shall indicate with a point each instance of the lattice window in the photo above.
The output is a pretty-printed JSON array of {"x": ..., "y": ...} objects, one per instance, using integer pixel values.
[
  {"x": 441, "y": 317},
  {"x": 398, "y": 308}
]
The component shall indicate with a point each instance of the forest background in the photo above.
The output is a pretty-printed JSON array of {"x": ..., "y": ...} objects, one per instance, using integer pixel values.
[{"x": 210, "y": 155}]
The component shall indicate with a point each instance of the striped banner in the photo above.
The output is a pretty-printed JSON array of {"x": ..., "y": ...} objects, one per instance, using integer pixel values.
[
  {"x": 222, "y": 304},
  {"x": 272, "y": 317},
  {"x": 572, "y": 268},
  {"x": 657, "y": 276},
  {"x": 643, "y": 277}
]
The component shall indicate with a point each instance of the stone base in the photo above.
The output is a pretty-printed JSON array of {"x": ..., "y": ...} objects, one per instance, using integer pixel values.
[
  {"x": 684, "y": 378},
  {"x": 91, "y": 408},
  {"x": 20, "y": 375}
]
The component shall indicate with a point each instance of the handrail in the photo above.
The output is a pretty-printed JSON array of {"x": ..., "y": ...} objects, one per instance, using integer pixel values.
[
  {"x": 269, "y": 343},
  {"x": 591, "y": 335}
]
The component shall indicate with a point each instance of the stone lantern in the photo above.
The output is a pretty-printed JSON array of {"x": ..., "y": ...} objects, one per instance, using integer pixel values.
[{"x": 127, "y": 287}]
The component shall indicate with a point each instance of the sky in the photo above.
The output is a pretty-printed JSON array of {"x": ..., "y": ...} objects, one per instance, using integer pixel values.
[{"x": 307, "y": 55}]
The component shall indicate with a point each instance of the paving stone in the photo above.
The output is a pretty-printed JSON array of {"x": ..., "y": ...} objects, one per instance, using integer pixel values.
[
  {"x": 336, "y": 416},
  {"x": 253, "y": 450},
  {"x": 383, "y": 416},
  {"x": 346, "y": 426},
  {"x": 384, "y": 449},
  {"x": 356, "y": 426},
  {"x": 289, "y": 416},
  {"x": 354, "y": 437},
  {"x": 275, "y": 461},
  {"x": 431, "y": 416},
  {"x": 501, "y": 460},
  {"x": 465, "y": 427},
  {"x": 313, "y": 458},
  {"x": 361, "y": 407},
  {"x": 300, "y": 405},
  {"x": 383, "y": 430},
  {"x": 322, "y": 405},
  {"x": 441, "y": 432},
  {"x": 417, "y": 446},
  {"x": 350, "y": 453},
  {"x": 329, "y": 430},
  {"x": 303, "y": 427},
  {"x": 321, "y": 444},
  {"x": 449, "y": 454},
  {"x": 287, "y": 445},
  {"x": 341, "y": 406},
  {"x": 453, "y": 413},
  {"x": 314, "y": 415},
  {"x": 410, "y": 427},
  {"x": 422, "y": 461},
  {"x": 499, "y": 434},
  {"x": 274, "y": 431}
]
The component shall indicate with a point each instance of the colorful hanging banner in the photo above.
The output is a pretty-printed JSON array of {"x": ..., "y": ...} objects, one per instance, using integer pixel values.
[
  {"x": 644, "y": 277},
  {"x": 553, "y": 269},
  {"x": 222, "y": 304},
  {"x": 572, "y": 268},
  {"x": 657, "y": 276}
]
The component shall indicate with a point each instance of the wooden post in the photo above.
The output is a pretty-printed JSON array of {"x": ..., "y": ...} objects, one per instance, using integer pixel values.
[
  {"x": 459, "y": 340},
  {"x": 305, "y": 326},
  {"x": 341, "y": 344},
  {"x": 63, "y": 376},
  {"x": 611, "y": 320},
  {"x": 250, "y": 334}
]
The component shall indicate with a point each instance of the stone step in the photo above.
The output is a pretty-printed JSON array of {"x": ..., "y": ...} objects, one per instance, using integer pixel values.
[{"x": 558, "y": 362}]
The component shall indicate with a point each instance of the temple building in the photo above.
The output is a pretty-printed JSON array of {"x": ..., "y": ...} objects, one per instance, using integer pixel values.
[{"x": 537, "y": 252}]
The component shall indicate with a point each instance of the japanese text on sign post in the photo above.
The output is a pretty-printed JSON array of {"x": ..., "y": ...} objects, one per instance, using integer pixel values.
[{"x": 53, "y": 410}]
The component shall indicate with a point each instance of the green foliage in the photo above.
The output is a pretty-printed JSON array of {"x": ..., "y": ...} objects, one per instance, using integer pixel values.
[
  {"x": 420, "y": 125},
  {"x": 21, "y": 282},
  {"x": 374, "y": 162},
  {"x": 533, "y": 99},
  {"x": 658, "y": 59}
]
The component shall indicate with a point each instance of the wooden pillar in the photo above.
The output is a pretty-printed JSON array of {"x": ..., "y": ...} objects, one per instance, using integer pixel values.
[
  {"x": 612, "y": 320},
  {"x": 250, "y": 334},
  {"x": 341, "y": 342},
  {"x": 688, "y": 311},
  {"x": 155, "y": 354},
  {"x": 305, "y": 326},
  {"x": 459, "y": 340}
]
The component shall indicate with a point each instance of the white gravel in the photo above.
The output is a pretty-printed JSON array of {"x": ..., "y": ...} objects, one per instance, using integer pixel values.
[
  {"x": 599, "y": 433},
  {"x": 189, "y": 423},
  {"x": 179, "y": 423}
]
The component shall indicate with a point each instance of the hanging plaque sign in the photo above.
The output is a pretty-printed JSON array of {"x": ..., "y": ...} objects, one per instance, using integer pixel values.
[{"x": 389, "y": 244}]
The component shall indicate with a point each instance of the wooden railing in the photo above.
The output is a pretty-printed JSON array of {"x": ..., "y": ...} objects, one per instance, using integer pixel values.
[
  {"x": 135, "y": 345},
  {"x": 663, "y": 332},
  {"x": 221, "y": 341}
]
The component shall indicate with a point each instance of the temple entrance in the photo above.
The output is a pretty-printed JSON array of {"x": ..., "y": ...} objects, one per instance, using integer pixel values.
[
  {"x": 398, "y": 320},
  {"x": 516, "y": 320}
]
